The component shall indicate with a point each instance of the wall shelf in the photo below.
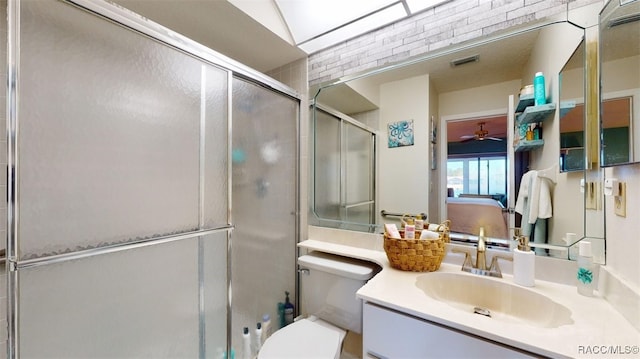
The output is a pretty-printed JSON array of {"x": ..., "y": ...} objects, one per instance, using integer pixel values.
[
  {"x": 523, "y": 102},
  {"x": 527, "y": 145},
  {"x": 534, "y": 114}
]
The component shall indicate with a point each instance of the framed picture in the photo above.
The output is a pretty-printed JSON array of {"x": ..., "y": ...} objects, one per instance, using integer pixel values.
[{"x": 400, "y": 133}]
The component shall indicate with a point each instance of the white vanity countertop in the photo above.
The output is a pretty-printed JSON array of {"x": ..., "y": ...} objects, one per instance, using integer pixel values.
[{"x": 596, "y": 323}]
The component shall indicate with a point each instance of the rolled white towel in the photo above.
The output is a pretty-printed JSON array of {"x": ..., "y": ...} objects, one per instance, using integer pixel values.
[{"x": 427, "y": 234}]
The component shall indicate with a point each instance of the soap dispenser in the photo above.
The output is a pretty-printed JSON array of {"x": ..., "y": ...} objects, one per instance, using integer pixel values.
[
  {"x": 586, "y": 282},
  {"x": 524, "y": 261}
]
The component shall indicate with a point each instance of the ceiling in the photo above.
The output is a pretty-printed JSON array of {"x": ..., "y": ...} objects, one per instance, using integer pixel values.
[{"x": 313, "y": 25}]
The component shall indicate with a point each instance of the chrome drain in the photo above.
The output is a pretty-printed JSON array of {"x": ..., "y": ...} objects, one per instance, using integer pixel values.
[{"x": 482, "y": 311}]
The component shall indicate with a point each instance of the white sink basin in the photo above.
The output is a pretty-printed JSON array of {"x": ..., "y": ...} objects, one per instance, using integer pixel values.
[{"x": 505, "y": 301}]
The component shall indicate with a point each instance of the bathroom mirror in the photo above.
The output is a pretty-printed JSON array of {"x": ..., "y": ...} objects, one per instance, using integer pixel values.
[
  {"x": 620, "y": 83},
  {"x": 471, "y": 79},
  {"x": 571, "y": 81}
]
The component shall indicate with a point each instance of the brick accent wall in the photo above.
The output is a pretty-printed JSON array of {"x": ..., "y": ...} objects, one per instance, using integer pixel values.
[{"x": 449, "y": 23}]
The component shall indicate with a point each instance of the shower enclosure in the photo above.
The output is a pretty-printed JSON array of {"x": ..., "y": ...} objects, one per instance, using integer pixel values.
[{"x": 131, "y": 210}]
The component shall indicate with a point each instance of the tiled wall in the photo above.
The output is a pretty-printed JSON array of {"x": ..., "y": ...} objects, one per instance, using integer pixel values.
[{"x": 450, "y": 23}]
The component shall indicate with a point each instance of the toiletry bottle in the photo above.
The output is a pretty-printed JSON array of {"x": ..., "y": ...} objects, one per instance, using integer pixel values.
[
  {"x": 529, "y": 133},
  {"x": 539, "y": 95},
  {"x": 281, "y": 321},
  {"x": 536, "y": 131},
  {"x": 266, "y": 326},
  {"x": 288, "y": 310},
  {"x": 585, "y": 276},
  {"x": 246, "y": 343},
  {"x": 419, "y": 222},
  {"x": 524, "y": 261},
  {"x": 410, "y": 231},
  {"x": 258, "y": 338}
]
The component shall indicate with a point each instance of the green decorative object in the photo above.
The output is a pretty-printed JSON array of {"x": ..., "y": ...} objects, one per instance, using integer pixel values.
[{"x": 585, "y": 275}]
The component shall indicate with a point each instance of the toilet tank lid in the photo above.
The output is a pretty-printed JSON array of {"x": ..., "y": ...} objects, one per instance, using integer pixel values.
[{"x": 338, "y": 265}]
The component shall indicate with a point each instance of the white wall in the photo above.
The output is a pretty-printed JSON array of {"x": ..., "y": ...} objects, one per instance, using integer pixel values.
[
  {"x": 623, "y": 238},
  {"x": 404, "y": 171},
  {"x": 493, "y": 97}
]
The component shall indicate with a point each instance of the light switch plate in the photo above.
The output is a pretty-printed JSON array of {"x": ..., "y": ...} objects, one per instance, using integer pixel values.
[{"x": 620, "y": 201}]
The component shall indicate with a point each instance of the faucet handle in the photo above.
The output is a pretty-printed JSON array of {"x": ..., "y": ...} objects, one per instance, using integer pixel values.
[
  {"x": 495, "y": 267},
  {"x": 467, "y": 257}
]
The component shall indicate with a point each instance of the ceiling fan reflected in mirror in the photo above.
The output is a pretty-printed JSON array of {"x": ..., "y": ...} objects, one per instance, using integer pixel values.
[{"x": 480, "y": 135}]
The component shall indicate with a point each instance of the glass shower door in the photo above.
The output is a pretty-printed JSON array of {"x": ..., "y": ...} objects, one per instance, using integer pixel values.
[
  {"x": 264, "y": 168},
  {"x": 118, "y": 192}
]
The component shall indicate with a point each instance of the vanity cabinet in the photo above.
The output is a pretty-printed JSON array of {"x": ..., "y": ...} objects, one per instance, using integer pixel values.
[
  {"x": 391, "y": 334},
  {"x": 527, "y": 113}
]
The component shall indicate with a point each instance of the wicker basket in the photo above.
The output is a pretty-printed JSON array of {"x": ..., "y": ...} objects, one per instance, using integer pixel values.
[{"x": 416, "y": 255}]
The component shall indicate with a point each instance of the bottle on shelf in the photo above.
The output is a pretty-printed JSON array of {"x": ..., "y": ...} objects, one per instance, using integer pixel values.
[
  {"x": 539, "y": 95},
  {"x": 537, "y": 131},
  {"x": 529, "y": 135}
]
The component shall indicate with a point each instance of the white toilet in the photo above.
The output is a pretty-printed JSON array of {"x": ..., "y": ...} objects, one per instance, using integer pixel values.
[{"x": 328, "y": 294}]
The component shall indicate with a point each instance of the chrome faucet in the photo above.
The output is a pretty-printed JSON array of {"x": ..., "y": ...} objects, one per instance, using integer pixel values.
[{"x": 480, "y": 266}]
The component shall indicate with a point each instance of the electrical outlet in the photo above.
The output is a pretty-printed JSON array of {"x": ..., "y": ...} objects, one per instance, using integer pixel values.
[{"x": 620, "y": 201}]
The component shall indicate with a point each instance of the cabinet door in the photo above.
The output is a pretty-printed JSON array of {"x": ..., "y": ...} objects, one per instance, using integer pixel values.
[{"x": 390, "y": 334}]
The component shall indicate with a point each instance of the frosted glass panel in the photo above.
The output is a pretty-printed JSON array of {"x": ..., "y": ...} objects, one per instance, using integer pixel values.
[
  {"x": 110, "y": 130},
  {"x": 360, "y": 172},
  {"x": 214, "y": 281},
  {"x": 327, "y": 166},
  {"x": 264, "y": 204},
  {"x": 215, "y": 170},
  {"x": 344, "y": 172},
  {"x": 132, "y": 304}
]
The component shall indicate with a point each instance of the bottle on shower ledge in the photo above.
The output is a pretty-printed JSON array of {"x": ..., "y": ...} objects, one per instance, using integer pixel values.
[{"x": 289, "y": 310}]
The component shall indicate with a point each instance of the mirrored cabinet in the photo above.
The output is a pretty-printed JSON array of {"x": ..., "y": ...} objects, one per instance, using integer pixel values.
[{"x": 620, "y": 83}]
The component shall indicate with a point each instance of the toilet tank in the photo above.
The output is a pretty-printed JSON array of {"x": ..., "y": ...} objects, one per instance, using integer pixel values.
[{"x": 329, "y": 289}]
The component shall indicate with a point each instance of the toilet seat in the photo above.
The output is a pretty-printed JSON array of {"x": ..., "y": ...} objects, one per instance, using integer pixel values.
[{"x": 303, "y": 339}]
